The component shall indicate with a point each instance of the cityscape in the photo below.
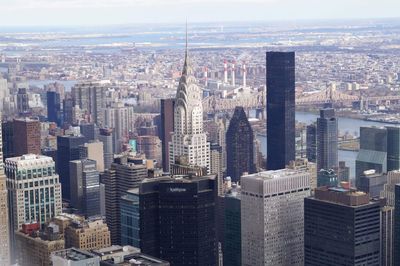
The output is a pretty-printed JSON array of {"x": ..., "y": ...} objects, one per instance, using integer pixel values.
[{"x": 147, "y": 140}]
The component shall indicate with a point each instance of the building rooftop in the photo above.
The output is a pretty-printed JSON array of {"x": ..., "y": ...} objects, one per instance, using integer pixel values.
[
  {"x": 275, "y": 174},
  {"x": 135, "y": 259},
  {"x": 74, "y": 254},
  {"x": 343, "y": 196},
  {"x": 29, "y": 159}
]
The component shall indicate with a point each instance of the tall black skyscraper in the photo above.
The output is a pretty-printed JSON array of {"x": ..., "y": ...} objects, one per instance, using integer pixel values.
[
  {"x": 311, "y": 140},
  {"x": 167, "y": 126},
  {"x": 341, "y": 227},
  {"x": 280, "y": 109},
  {"x": 327, "y": 140},
  {"x": 54, "y": 107},
  {"x": 67, "y": 150},
  {"x": 239, "y": 146}
]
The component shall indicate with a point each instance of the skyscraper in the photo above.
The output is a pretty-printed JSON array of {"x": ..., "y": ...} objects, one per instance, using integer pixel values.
[
  {"x": 26, "y": 136},
  {"x": 388, "y": 192},
  {"x": 188, "y": 139},
  {"x": 122, "y": 176},
  {"x": 88, "y": 131},
  {"x": 85, "y": 187},
  {"x": 327, "y": 140},
  {"x": 232, "y": 228},
  {"x": 7, "y": 132},
  {"x": 54, "y": 107},
  {"x": 67, "y": 150},
  {"x": 34, "y": 192},
  {"x": 311, "y": 142},
  {"x": 93, "y": 151},
  {"x": 373, "y": 151},
  {"x": 239, "y": 146},
  {"x": 90, "y": 97},
  {"x": 120, "y": 118},
  {"x": 167, "y": 127},
  {"x": 280, "y": 109},
  {"x": 4, "y": 216},
  {"x": 105, "y": 136},
  {"x": 341, "y": 227},
  {"x": 22, "y": 102},
  {"x": 393, "y": 148},
  {"x": 272, "y": 217},
  {"x": 193, "y": 242}
]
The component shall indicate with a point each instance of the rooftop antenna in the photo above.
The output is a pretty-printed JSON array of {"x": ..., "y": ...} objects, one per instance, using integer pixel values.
[{"x": 186, "y": 37}]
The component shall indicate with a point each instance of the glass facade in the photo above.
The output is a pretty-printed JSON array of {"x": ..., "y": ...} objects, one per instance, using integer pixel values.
[
  {"x": 130, "y": 225},
  {"x": 280, "y": 109}
]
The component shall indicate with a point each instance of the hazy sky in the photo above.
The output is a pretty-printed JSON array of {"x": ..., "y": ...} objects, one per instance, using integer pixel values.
[{"x": 101, "y": 12}]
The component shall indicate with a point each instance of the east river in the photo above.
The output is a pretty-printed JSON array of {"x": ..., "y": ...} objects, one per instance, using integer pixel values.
[{"x": 349, "y": 125}]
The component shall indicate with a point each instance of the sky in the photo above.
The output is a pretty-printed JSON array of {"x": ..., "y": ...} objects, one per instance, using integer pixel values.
[{"x": 111, "y": 12}]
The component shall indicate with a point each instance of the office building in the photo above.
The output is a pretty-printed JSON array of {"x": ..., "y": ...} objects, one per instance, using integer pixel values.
[
  {"x": 272, "y": 217},
  {"x": 34, "y": 189},
  {"x": 232, "y": 244},
  {"x": 130, "y": 224},
  {"x": 311, "y": 143},
  {"x": 188, "y": 138},
  {"x": 122, "y": 176},
  {"x": 87, "y": 235},
  {"x": 372, "y": 183},
  {"x": 120, "y": 118},
  {"x": 68, "y": 107},
  {"x": 396, "y": 231},
  {"x": 105, "y": 136},
  {"x": 393, "y": 178},
  {"x": 280, "y": 109},
  {"x": 342, "y": 227},
  {"x": 387, "y": 251},
  {"x": 196, "y": 219},
  {"x": 90, "y": 97},
  {"x": 216, "y": 165},
  {"x": 88, "y": 131},
  {"x": 93, "y": 151},
  {"x": 239, "y": 146},
  {"x": 343, "y": 172},
  {"x": 7, "y": 132},
  {"x": 74, "y": 257},
  {"x": 4, "y": 215},
  {"x": 22, "y": 102},
  {"x": 373, "y": 151},
  {"x": 150, "y": 146},
  {"x": 67, "y": 150},
  {"x": 26, "y": 136},
  {"x": 393, "y": 148},
  {"x": 53, "y": 107},
  {"x": 85, "y": 187},
  {"x": 34, "y": 246},
  {"x": 327, "y": 140},
  {"x": 167, "y": 127},
  {"x": 309, "y": 167}
]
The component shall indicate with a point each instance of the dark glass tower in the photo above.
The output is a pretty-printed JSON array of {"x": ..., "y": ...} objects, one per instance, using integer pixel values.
[
  {"x": 341, "y": 227},
  {"x": 167, "y": 126},
  {"x": 393, "y": 148},
  {"x": 67, "y": 150},
  {"x": 54, "y": 107},
  {"x": 327, "y": 140},
  {"x": 373, "y": 151},
  {"x": 187, "y": 221},
  {"x": 239, "y": 146},
  {"x": 311, "y": 143},
  {"x": 280, "y": 109}
]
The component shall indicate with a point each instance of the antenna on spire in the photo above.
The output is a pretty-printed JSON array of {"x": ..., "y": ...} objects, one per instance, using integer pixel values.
[{"x": 186, "y": 36}]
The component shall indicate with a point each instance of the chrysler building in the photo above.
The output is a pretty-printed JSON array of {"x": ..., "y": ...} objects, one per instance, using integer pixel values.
[{"x": 189, "y": 146}]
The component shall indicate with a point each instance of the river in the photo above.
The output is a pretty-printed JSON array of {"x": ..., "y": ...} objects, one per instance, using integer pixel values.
[{"x": 349, "y": 125}]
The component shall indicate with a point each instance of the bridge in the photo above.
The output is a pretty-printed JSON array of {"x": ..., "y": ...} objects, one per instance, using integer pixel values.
[{"x": 256, "y": 100}]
